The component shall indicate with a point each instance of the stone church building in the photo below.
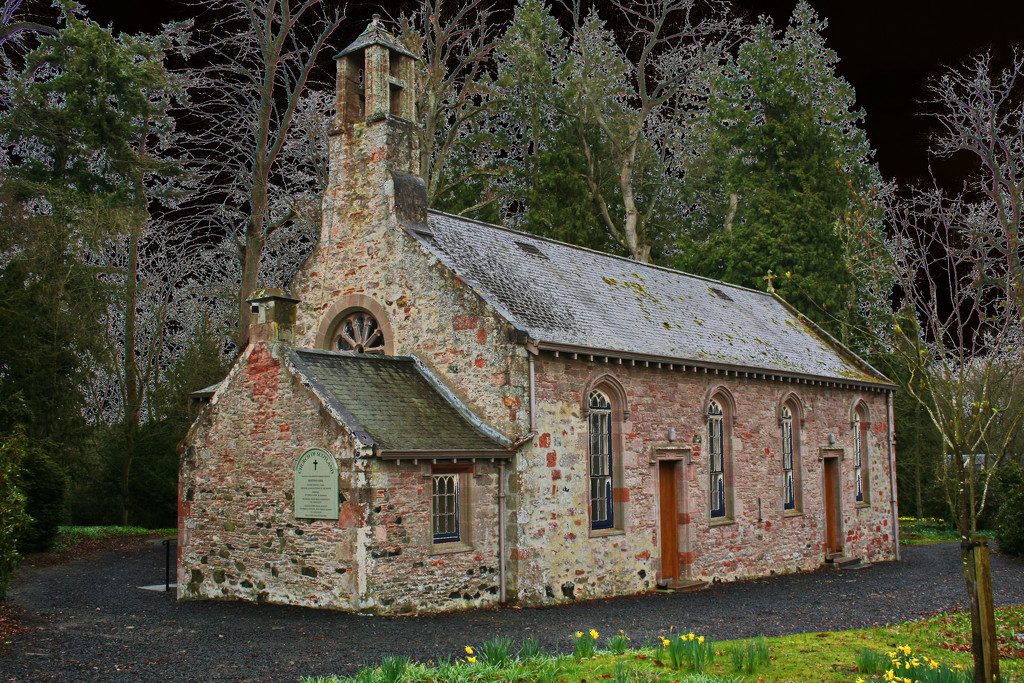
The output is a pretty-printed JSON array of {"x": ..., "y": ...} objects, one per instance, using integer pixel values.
[{"x": 443, "y": 414}]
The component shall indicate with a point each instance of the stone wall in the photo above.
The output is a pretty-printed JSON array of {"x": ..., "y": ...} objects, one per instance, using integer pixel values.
[
  {"x": 560, "y": 558},
  {"x": 365, "y": 259},
  {"x": 239, "y": 538}
]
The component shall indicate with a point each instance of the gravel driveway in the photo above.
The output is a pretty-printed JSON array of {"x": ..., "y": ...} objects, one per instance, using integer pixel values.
[{"x": 88, "y": 620}]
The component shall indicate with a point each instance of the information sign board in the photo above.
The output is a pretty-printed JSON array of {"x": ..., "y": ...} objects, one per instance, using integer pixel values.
[{"x": 316, "y": 485}]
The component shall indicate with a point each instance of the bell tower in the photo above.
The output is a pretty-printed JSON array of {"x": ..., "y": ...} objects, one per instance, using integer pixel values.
[
  {"x": 374, "y": 143},
  {"x": 375, "y": 79}
]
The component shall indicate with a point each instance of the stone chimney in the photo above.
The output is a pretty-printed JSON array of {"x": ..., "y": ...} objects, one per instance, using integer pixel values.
[
  {"x": 374, "y": 146},
  {"x": 272, "y": 316}
]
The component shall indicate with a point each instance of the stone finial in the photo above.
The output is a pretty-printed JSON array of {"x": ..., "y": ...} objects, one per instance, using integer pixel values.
[{"x": 273, "y": 316}]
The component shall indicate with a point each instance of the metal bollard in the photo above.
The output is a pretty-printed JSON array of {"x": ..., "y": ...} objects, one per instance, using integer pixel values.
[{"x": 167, "y": 562}]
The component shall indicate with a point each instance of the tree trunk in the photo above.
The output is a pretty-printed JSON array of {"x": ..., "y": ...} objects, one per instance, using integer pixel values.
[
  {"x": 984, "y": 648},
  {"x": 918, "y": 483},
  {"x": 132, "y": 390}
]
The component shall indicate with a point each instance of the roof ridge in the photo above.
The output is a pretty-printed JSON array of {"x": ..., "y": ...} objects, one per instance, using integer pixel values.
[{"x": 598, "y": 252}]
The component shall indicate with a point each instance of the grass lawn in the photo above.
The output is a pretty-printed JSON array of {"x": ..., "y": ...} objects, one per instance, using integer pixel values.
[
  {"x": 928, "y": 530},
  {"x": 68, "y": 536},
  {"x": 809, "y": 657}
]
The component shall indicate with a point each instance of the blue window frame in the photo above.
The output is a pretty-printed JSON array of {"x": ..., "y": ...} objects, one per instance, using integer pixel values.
[
  {"x": 599, "y": 420},
  {"x": 444, "y": 512},
  {"x": 788, "y": 480},
  {"x": 716, "y": 459}
]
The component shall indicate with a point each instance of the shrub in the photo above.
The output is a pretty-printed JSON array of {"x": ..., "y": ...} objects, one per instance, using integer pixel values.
[
  {"x": 1010, "y": 527},
  {"x": 45, "y": 486},
  {"x": 12, "y": 505}
]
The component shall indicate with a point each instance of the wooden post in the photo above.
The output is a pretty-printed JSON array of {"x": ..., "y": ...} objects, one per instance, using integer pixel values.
[{"x": 986, "y": 610}]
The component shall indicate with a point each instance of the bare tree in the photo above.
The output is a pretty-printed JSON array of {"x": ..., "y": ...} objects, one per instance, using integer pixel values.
[
  {"x": 160, "y": 272},
  {"x": 14, "y": 30},
  {"x": 957, "y": 265},
  {"x": 671, "y": 41},
  {"x": 248, "y": 77},
  {"x": 454, "y": 42}
]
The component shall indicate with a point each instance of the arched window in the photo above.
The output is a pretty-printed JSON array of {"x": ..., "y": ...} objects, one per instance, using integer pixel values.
[
  {"x": 599, "y": 421},
  {"x": 719, "y": 506},
  {"x": 791, "y": 460},
  {"x": 788, "y": 483},
  {"x": 860, "y": 454},
  {"x": 359, "y": 332}
]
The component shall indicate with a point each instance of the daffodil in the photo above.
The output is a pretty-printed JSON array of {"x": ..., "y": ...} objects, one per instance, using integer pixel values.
[
  {"x": 579, "y": 634},
  {"x": 859, "y": 680},
  {"x": 593, "y": 634},
  {"x": 471, "y": 660},
  {"x": 905, "y": 649},
  {"x": 700, "y": 639},
  {"x": 469, "y": 650}
]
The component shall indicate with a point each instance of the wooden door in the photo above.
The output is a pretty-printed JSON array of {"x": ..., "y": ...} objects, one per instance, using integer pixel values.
[
  {"x": 833, "y": 530},
  {"x": 669, "y": 518}
]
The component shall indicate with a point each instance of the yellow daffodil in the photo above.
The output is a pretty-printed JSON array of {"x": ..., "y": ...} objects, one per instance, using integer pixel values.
[
  {"x": 593, "y": 634},
  {"x": 579, "y": 634},
  {"x": 905, "y": 649},
  {"x": 933, "y": 664},
  {"x": 469, "y": 650},
  {"x": 859, "y": 680},
  {"x": 471, "y": 660},
  {"x": 689, "y": 636},
  {"x": 890, "y": 675},
  {"x": 700, "y": 639}
]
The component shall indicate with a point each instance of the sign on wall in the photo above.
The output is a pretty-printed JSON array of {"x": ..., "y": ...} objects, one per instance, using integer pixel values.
[{"x": 316, "y": 485}]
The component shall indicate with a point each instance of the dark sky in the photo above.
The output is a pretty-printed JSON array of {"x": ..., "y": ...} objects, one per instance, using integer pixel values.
[{"x": 887, "y": 50}]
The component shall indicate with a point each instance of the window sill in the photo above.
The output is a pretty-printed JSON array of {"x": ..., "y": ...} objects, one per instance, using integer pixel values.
[
  {"x": 721, "y": 521},
  {"x": 601, "y": 533},
  {"x": 793, "y": 513},
  {"x": 863, "y": 505},
  {"x": 450, "y": 548}
]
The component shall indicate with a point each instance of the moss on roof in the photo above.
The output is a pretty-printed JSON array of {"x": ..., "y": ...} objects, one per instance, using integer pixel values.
[{"x": 391, "y": 400}]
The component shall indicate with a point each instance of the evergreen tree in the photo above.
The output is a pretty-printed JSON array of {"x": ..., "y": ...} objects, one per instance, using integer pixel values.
[
  {"x": 783, "y": 180},
  {"x": 87, "y": 115},
  {"x": 587, "y": 129}
]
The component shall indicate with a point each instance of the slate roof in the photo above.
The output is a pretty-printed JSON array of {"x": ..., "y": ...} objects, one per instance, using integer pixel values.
[
  {"x": 393, "y": 403},
  {"x": 374, "y": 34},
  {"x": 565, "y": 295}
]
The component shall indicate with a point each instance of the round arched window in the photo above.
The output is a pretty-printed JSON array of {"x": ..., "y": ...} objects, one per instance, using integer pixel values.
[{"x": 359, "y": 332}]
